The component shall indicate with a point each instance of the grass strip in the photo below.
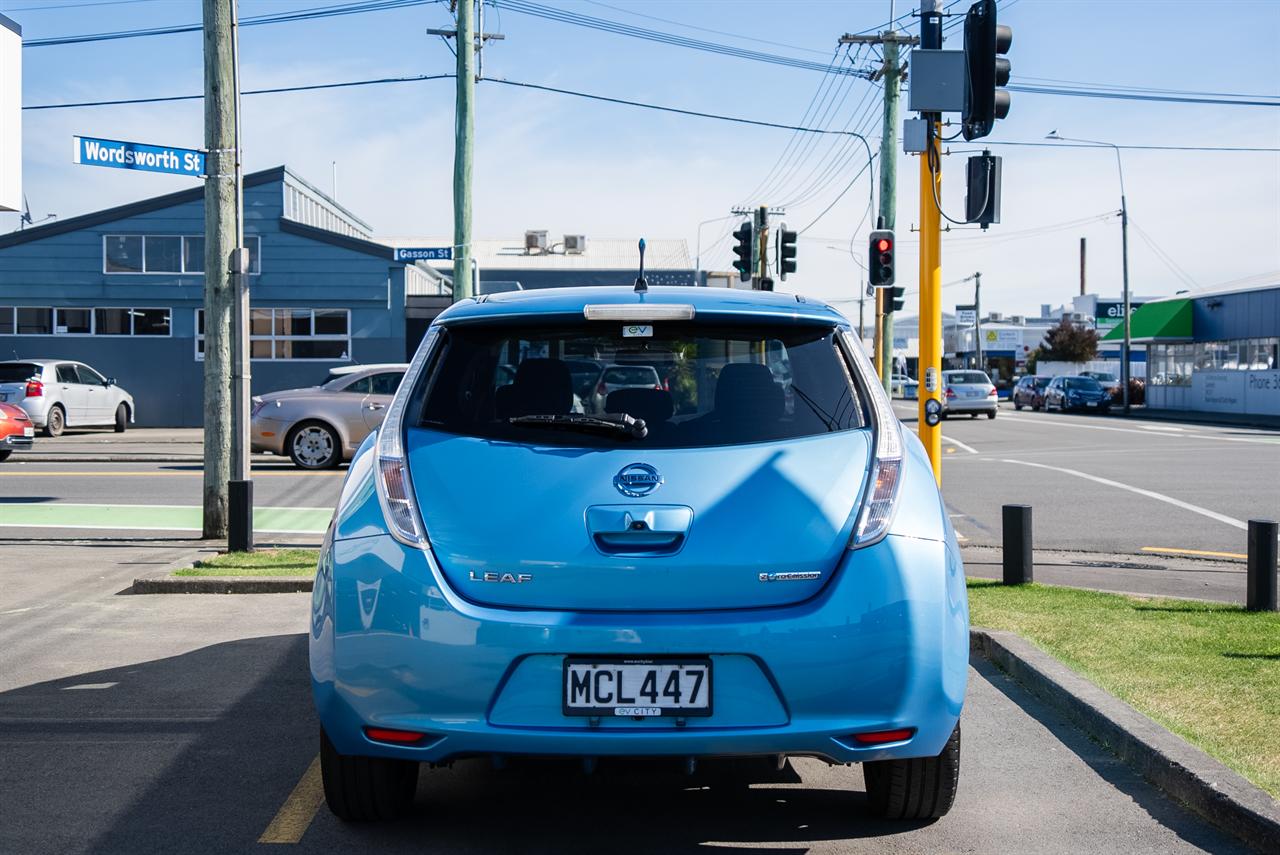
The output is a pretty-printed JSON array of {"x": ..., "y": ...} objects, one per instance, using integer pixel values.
[
  {"x": 263, "y": 562},
  {"x": 1209, "y": 672}
]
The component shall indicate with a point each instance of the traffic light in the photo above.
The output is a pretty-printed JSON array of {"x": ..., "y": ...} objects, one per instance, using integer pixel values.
[
  {"x": 898, "y": 298},
  {"x": 786, "y": 252},
  {"x": 745, "y": 249},
  {"x": 986, "y": 71},
  {"x": 880, "y": 261}
]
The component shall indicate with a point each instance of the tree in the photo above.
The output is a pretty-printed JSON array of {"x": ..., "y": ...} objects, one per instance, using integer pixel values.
[{"x": 1068, "y": 342}]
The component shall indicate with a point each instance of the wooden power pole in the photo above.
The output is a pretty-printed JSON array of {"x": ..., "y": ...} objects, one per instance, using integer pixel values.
[
  {"x": 219, "y": 241},
  {"x": 463, "y": 150}
]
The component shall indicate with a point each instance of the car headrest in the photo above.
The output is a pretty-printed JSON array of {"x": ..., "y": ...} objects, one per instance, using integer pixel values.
[
  {"x": 653, "y": 405},
  {"x": 747, "y": 389},
  {"x": 541, "y": 386}
]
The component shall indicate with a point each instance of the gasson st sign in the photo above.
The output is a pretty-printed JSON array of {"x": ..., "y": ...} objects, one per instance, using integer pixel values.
[{"x": 142, "y": 157}]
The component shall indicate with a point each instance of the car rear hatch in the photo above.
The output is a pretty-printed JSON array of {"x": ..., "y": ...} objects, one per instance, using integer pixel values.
[
  {"x": 13, "y": 380},
  {"x": 741, "y": 494}
]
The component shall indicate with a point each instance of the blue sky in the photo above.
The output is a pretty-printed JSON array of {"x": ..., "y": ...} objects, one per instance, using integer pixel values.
[{"x": 569, "y": 165}]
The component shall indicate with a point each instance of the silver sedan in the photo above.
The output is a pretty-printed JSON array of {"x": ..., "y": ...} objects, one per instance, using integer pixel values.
[{"x": 320, "y": 426}]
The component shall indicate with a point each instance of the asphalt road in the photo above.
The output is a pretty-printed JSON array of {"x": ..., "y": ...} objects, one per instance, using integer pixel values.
[
  {"x": 1108, "y": 484},
  {"x": 183, "y": 723}
]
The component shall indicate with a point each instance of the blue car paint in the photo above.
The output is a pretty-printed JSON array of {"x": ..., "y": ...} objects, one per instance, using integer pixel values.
[{"x": 882, "y": 644}]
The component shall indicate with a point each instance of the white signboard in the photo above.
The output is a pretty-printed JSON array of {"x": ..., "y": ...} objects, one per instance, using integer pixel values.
[
  {"x": 10, "y": 115},
  {"x": 966, "y": 317},
  {"x": 1252, "y": 392},
  {"x": 1002, "y": 339}
]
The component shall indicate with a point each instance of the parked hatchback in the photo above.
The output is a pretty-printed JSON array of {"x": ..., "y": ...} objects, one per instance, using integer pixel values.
[
  {"x": 1029, "y": 392},
  {"x": 59, "y": 394},
  {"x": 693, "y": 573},
  {"x": 968, "y": 392},
  {"x": 1076, "y": 393},
  {"x": 320, "y": 426}
]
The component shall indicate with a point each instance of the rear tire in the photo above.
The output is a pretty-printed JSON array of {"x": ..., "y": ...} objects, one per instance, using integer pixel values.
[
  {"x": 122, "y": 418},
  {"x": 366, "y": 789},
  {"x": 55, "y": 422},
  {"x": 991, "y": 415},
  {"x": 1017, "y": 406},
  {"x": 921, "y": 788}
]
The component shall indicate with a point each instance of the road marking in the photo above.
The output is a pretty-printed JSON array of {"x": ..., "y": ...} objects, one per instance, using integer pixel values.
[
  {"x": 1150, "y": 494},
  {"x": 91, "y": 686},
  {"x": 295, "y": 815},
  {"x": 1259, "y": 440},
  {"x": 1169, "y": 550},
  {"x": 1161, "y": 427},
  {"x": 274, "y": 520},
  {"x": 958, "y": 444}
]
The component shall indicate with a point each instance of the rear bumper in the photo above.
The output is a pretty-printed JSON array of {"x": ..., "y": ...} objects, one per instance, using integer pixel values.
[
  {"x": 883, "y": 646},
  {"x": 37, "y": 409},
  {"x": 973, "y": 405}
]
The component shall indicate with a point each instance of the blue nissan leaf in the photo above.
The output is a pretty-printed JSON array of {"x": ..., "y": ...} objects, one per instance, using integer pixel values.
[{"x": 736, "y": 552}]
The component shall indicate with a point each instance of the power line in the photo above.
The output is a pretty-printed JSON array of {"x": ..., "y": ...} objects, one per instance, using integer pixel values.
[
  {"x": 1239, "y": 101},
  {"x": 1132, "y": 147}
]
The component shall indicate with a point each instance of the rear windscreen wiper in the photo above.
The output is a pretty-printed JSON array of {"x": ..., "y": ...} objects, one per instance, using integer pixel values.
[{"x": 621, "y": 423}]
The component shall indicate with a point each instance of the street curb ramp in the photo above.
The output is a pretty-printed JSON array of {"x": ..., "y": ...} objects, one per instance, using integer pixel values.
[{"x": 1206, "y": 786}]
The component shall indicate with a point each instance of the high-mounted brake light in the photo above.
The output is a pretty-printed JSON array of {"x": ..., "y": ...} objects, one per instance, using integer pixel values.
[
  {"x": 638, "y": 312},
  {"x": 395, "y": 488},
  {"x": 881, "y": 493}
]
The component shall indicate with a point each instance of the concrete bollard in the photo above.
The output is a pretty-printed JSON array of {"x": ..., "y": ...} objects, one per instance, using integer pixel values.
[
  {"x": 1261, "y": 585},
  {"x": 1016, "y": 520}
]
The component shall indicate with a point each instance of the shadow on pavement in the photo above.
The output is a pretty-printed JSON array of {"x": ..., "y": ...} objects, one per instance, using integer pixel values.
[{"x": 1108, "y": 766}]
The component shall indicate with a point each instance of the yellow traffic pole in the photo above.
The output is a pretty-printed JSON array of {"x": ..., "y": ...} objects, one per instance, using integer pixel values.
[{"x": 929, "y": 372}]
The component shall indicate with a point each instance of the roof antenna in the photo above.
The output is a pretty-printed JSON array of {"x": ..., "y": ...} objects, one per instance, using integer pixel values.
[{"x": 641, "y": 285}]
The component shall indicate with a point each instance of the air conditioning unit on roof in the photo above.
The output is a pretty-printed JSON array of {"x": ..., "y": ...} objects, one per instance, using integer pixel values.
[
  {"x": 535, "y": 241},
  {"x": 575, "y": 244},
  {"x": 995, "y": 317},
  {"x": 1017, "y": 319}
]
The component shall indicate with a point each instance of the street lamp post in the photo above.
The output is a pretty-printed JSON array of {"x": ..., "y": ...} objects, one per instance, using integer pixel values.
[{"x": 1124, "y": 255}]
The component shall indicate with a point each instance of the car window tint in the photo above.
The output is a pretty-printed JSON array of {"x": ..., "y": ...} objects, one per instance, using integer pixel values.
[
  {"x": 88, "y": 375},
  {"x": 18, "y": 372},
  {"x": 715, "y": 384},
  {"x": 962, "y": 377},
  {"x": 385, "y": 384},
  {"x": 67, "y": 374},
  {"x": 361, "y": 386}
]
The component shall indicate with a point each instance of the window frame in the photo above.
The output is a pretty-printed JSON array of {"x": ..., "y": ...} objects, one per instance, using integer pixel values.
[
  {"x": 197, "y": 338},
  {"x": 255, "y": 255},
  {"x": 93, "y": 321}
]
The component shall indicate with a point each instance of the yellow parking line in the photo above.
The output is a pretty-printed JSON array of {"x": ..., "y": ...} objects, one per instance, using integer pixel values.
[
  {"x": 295, "y": 815},
  {"x": 1169, "y": 550}
]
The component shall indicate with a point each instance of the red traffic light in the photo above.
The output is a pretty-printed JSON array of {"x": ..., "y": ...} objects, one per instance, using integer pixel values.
[{"x": 884, "y": 245}]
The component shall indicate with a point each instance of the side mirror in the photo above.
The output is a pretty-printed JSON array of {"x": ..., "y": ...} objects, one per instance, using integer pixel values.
[{"x": 111, "y": 381}]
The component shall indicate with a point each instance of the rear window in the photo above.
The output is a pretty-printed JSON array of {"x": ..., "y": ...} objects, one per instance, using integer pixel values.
[
  {"x": 692, "y": 384},
  {"x": 964, "y": 377},
  {"x": 18, "y": 372},
  {"x": 1083, "y": 383}
]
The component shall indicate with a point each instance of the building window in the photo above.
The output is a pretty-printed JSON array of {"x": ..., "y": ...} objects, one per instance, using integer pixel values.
[
  {"x": 6, "y": 320},
  {"x": 33, "y": 321},
  {"x": 73, "y": 322},
  {"x": 172, "y": 254},
  {"x": 112, "y": 321},
  {"x": 296, "y": 334}
]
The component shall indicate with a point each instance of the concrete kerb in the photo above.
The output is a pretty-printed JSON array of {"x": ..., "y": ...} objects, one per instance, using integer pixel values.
[
  {"x": 37, "y": 457},
  {"x": 162, "y": 581},
  {"x": 1186, "y": 773}
]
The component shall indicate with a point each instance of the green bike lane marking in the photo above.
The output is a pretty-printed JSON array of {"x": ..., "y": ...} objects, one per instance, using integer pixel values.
[{"x": 153, "y": 517}]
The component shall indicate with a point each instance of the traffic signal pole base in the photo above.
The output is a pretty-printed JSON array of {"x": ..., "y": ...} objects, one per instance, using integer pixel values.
[{"x": 240, "y": 516}]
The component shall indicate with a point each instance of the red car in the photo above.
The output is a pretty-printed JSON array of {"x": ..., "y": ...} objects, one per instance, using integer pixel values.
[{"x": 16, "y": 430}]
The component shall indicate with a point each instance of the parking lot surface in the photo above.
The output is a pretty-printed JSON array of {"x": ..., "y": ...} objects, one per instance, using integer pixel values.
[{"x": 183, "y": 723}]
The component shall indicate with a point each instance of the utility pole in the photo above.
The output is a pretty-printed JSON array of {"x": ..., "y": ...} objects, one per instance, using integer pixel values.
[
  {"x": 931, "y": 260},
  {"x": 463, "y": 150},
  {"x": 977, "y": 317},
  {"x": 1082, "y": 251},
  {"x": 219, "y": 241},
  {"x": 762, "y": 256},
  {"x": 891, "y": 71}
]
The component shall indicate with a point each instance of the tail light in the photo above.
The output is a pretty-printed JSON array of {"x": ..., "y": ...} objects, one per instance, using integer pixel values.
[
  {"x": 881, "y": 492},
  {"x": 395, "y": 487},
  {"x": 658, "y": 387},
  {"x": 35, "y": 389},
  {"x": 882, "y": 737},
  {"x": 992, "y": 393},
  {"x": 666, "y": 385},
  {"x": 601, "y": 389},
  {"x": 951, "y": 393}
]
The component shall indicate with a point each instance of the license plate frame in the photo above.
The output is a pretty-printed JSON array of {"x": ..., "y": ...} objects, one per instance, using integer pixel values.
[{"x": 634, "y": 706}]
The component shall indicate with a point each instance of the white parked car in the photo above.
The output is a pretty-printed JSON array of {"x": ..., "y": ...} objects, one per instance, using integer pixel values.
[
  {"x": 60, "y": 393},
  {"x": 968, "y": 391}
]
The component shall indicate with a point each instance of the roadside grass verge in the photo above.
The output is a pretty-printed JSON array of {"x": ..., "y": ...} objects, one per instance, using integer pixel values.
[
  {"x": 265, "y": 562},
  {"x": 1209, "y": 672}
]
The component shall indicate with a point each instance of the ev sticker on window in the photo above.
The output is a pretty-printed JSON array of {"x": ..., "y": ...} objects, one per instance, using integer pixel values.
[{"x": 637, "y": 331}]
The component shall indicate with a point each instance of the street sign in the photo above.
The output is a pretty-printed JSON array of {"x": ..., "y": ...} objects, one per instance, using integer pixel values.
[
  {"x": 117, "y": 154},
  {"x": 966, "y": 316},
  {"x": 424, "y": 253}
]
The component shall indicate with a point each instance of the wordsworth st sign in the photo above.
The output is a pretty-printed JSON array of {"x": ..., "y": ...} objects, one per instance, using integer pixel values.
[{"x": 118, "y": 154}]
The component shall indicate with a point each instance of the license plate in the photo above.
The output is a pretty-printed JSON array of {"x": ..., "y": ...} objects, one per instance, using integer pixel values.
[
  {"x": 28, "y": 431},
  {"x": 596, "y": 686},
  {"x": 1091, "y": 403}
]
